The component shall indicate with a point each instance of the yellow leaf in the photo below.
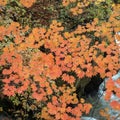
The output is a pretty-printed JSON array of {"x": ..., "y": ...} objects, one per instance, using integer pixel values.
[{"x": 1, "y": 109}]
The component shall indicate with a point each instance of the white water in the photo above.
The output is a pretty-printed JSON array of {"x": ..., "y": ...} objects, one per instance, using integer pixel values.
[
  {"x": 99, "y": 103},
  {"x": 88, "y": 118},
  {"x": 112, "y": 112}
]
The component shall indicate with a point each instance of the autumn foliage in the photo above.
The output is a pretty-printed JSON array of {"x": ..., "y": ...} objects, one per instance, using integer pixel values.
[{"x": 48, "y": 76}]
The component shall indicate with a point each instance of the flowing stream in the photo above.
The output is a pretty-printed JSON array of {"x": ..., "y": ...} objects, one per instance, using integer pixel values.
[{"x": 99, "y": 103}]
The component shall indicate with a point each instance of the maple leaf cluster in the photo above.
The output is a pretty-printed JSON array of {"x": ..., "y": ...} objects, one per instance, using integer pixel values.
[{"x": 25, "y": 66}]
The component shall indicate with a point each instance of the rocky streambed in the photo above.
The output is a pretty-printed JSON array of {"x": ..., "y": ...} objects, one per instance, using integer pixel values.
[{"x": 99, "y": 104}]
